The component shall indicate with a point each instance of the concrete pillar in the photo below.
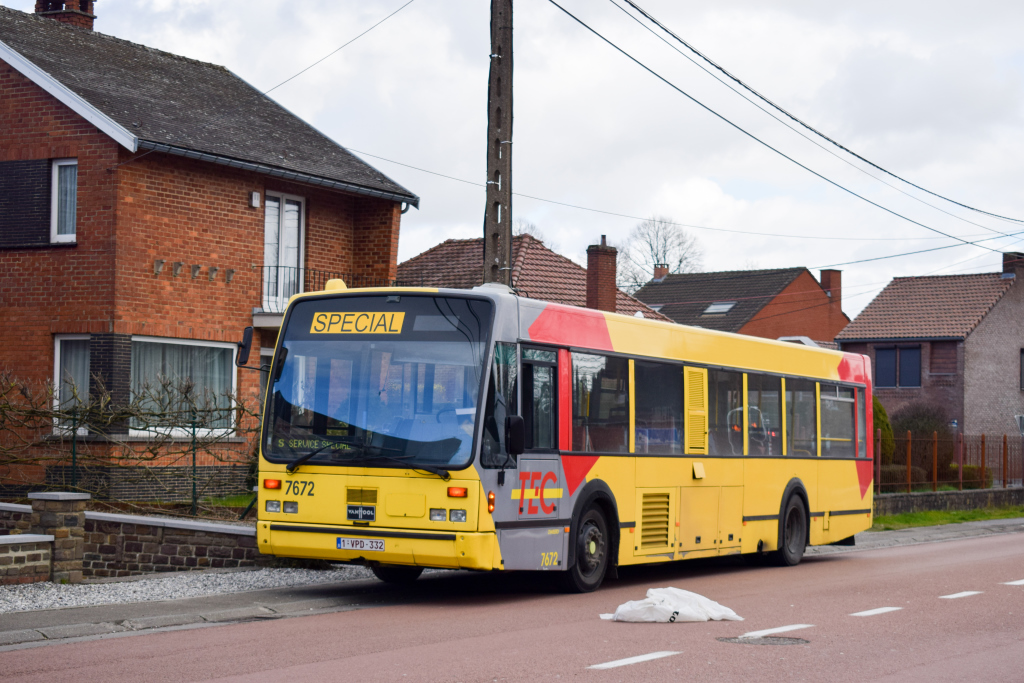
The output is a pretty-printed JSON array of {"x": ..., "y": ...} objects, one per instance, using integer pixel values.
[{"x": 62, "y": 515}]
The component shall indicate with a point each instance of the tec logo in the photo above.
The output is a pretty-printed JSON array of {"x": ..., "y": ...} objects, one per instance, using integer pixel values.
[{"x": 533, "y": 487}]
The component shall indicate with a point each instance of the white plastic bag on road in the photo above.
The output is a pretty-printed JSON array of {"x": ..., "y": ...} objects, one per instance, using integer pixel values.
[{"x": 670, "y": 605}]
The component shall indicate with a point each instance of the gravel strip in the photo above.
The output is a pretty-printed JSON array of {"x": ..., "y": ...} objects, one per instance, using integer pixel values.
[{"x": 46, "y": 595}]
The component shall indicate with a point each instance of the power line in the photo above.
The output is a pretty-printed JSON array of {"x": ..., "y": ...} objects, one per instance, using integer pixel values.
[
  {"x": 769, "y": 113},
  {"x": 641, "y": 218},
  {"x": 805, "y": 125},
  {"x": 751, "y": 135}
]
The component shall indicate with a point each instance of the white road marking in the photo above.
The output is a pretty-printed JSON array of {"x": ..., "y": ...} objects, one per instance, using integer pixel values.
[
  {"x": 1014, "y": 583},
  {"x": 633, "y": 660},
  {"x": 964, "y": 594},
  {"x": 780, "y": 629},
  {"x": 873, "y": 612}
]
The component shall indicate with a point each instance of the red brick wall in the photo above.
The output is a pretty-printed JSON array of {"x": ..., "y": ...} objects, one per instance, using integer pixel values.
[
  {"x": 63, "y": 288},
  {"x": 601, "y": 267},
  {"x": 801, "y": 309}
]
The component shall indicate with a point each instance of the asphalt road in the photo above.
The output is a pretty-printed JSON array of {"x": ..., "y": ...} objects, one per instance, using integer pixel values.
[{"x": 467, "y": 627}]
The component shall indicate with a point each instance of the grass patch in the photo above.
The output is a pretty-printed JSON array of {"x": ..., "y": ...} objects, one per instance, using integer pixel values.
[
  {"x": 938, "y": 517},
  {"x": 239, "y": 501}
]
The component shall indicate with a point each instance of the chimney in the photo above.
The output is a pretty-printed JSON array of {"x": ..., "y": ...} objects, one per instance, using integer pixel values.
[
  {"x": 601, "y": 289},
  {"x": 74, "y": 12},
  {"x": 832, "y": 283},
  {"x": 660, "y": 271},
  {"x": 1012, "y": 261}
]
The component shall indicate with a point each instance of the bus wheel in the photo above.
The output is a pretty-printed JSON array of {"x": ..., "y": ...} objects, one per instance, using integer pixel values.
[
  {"x": 592, "y": 545},
  {"x": 794, "y": 534},
  {"x": 396, "y": 574}
]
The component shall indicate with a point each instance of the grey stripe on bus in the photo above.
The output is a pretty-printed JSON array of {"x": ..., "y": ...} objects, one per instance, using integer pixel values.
[
  {"x": 533, "y": 524},
  {"x": 352, "y": 531}
]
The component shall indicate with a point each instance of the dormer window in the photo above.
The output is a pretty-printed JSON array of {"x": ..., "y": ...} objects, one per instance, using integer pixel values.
[
  {"x": 719, "y": 308},
  {"x": 64, "y": 200}
]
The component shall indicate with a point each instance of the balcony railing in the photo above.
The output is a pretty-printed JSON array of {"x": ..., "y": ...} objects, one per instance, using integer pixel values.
[{"x": 279, "y": 283}]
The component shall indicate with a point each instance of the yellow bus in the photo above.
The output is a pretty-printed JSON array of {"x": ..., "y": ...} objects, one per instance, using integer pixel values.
[{"x": 406, "y": 428}]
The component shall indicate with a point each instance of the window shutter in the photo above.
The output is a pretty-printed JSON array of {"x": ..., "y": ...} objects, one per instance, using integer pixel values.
[{"x": 696, "y": 411}]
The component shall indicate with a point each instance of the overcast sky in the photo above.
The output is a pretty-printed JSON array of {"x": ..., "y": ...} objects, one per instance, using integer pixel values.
[{"x": 932, "y": 91}]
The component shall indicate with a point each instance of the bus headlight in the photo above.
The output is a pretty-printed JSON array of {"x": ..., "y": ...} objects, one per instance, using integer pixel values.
[
  {"x": 291, "y": 507},
  {"x": 457, "y": 516},
  {"x": 438, "y": 514},
  {"x": 273, "y": 506}
]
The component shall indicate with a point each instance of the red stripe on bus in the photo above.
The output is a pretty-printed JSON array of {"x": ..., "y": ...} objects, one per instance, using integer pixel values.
[
  {"x": 572, "y": 327},
  {"x": 564, "y": 400}
]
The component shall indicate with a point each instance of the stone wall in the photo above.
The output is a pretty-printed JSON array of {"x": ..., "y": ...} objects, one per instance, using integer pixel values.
[
  {"x": 15, "y": 519},
  {"x": 900, "y": 503},
  {"x": 25, "y": 558},
  {"x": 126, "y": 545}
]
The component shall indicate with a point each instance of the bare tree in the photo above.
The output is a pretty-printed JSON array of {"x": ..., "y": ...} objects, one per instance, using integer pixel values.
[
  {"x": 657, "y": 240},
  {"x": 523, "y": 226}
]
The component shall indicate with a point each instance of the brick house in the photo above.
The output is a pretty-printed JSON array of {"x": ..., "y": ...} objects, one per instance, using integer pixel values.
[
  {"x": 537, "y": 273},
  {"x": 956, "y": 341},
  {"x": 784, "y": 302},
  {"x": 152, "y": 206}
]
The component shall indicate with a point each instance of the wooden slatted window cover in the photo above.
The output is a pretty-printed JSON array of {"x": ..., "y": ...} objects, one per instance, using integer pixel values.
[
  {"x": 654, "y": 521},
  {"x": 696, "y": 412},
  {"x": 362, "y": 496},
  {"x": 943, "y": 358}
]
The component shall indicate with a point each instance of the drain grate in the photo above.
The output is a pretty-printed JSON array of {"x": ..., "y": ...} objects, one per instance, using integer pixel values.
[{"x": 768, "y": 640}]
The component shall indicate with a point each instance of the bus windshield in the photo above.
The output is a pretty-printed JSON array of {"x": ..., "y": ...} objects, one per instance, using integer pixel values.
[{"x": 378, "y": 381}]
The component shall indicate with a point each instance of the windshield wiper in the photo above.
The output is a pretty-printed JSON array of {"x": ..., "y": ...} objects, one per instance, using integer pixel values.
[
  {"x": 295, "y": 464},
  {"x": 441, "y": 472}
]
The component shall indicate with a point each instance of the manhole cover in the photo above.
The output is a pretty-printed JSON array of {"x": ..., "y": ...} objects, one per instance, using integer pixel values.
[{"x": 770, "y": 640}]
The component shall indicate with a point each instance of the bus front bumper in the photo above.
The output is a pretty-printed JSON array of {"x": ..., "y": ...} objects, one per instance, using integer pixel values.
[{"x": 369, "y": 545}]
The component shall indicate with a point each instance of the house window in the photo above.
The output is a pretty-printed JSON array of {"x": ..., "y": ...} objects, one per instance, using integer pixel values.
[
  {"x": 282, "y": 249},
  {"x": 178, "y": 381},
  {"x": 898, "y": 367},
  {"x": 719, "y": 308},
  {"x": 70, "y": 377},
  {"x": 63, "y": 200}
]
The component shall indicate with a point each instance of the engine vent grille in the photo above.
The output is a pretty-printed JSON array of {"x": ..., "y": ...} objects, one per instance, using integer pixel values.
[{"x": 654, "y": 524}]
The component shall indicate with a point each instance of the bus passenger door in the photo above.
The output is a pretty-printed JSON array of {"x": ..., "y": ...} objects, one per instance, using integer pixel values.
[{"x": 698, "y": 495}]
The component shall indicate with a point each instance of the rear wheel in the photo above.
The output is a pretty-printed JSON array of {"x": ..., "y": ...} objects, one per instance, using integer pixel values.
[
  {"x": 593, "y": 546},
  {"x": 396, "y": 574},
  {"x": 793, "y": 533}
]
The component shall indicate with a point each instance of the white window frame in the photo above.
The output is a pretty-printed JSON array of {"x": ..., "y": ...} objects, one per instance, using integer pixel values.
[
  {"x": 54, "y": 237},
  {"x": 278, "y": 302},
  {"x": 179, "y": 432},
  {"x": 57, "y": 339}
]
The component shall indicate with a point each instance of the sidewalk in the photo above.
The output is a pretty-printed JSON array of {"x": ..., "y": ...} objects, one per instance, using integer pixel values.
[{"x": 32, "y": 629}]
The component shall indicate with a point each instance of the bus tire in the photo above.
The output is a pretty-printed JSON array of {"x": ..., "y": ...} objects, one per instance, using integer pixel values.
[
  {"x": 792, "y": 533},
  {"x": 593, "y": 553},
  {"x": 396, "y": 574}
]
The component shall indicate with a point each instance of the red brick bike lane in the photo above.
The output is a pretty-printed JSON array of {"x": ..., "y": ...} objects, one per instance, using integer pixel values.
[{"x": 490, "y": 627}]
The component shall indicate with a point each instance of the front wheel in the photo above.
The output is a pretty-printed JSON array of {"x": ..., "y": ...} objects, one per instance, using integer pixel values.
[
  {"x": 793, "y": 531},
  {"x": 593, "y": 548},
  {"x": 396, "y": 574}
]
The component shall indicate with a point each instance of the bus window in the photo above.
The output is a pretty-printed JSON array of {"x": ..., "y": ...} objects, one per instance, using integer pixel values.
[
  {"x": 539, "y": 394},
  {"x": 501, "y": 402},
  {"x": 764, "y": 415},
  {"x": 862, "y": 444},
  {"x": 725, "y": 412},
  {"x": 837, "y": 431},
  {"x": 801, "y": 418},
  {"x": 600, "y": 404},
  {"x": 659, "y": 408}
]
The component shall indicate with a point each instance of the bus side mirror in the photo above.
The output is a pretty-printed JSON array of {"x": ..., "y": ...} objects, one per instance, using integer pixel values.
[
  {"x": 244, "y": 347},
  {"x": 515, "y": 435}
]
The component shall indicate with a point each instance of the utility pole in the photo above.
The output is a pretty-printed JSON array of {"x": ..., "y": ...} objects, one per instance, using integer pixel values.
[{"x": 498, "y": 212}]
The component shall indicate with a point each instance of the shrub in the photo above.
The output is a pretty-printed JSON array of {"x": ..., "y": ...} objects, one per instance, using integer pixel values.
[
  {"x": 972, "y": 476},
  {"x": 895, "y": 476},
  {"x": 881, "y": 420},
  {"x": 922, "y": 420}
]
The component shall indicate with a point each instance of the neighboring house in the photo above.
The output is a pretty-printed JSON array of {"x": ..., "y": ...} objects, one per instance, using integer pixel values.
[
  {"x": 152, "y": 206},
  {"x": 784, "y": 302},
  {"x": 537, "y": 273},
  {"x": 954, "y": 341}
]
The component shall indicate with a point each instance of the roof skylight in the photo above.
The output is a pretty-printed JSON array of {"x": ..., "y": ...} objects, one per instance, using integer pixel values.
[{"x": 719, "y": 307}]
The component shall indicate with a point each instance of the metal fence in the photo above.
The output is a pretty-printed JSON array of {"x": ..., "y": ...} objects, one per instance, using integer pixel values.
[{"x": 930, "y": 463}]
